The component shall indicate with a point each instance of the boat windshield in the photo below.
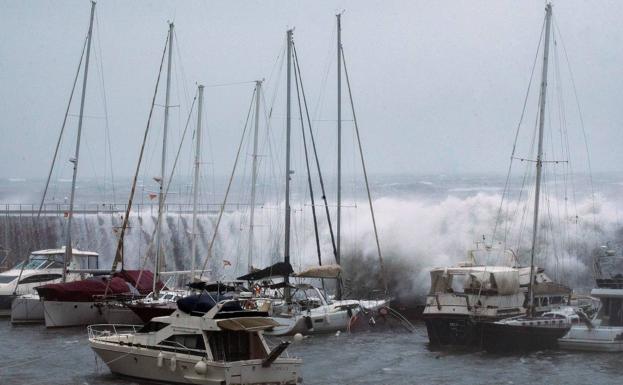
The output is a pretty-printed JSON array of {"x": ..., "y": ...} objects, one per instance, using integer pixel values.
[
  {"x": 36, "y": 262},
  {"x": 7, "y": 278}
]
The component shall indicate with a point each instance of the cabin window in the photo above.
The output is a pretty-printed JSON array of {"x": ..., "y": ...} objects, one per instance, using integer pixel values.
[
  {"x": 152, "y": 326},
  {"x": 616, "y": 312},
  {"x": 235, "y": 346},
  {"x": 7, "y": 278},
  {"x": 40, "y": 278},
  {"x": 189, "y": 341}
]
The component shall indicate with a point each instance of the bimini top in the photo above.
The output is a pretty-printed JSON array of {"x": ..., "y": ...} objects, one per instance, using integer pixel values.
[
  {"x": 279, "y": 269},
  {"x": 62, "y": 251},
  {"x": 326, "y": 271}
]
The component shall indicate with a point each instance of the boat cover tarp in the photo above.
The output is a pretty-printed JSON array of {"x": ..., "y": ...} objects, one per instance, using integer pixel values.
[
  {"x": 86, "y": 290},
  {"x": 247, "y": 323},
  {"x": 279, "y": 269},
  {"x": 503, "y": 282},
  {"x": 507, "y": 282},
  {"x": 326, "y": 271},
  {"x": 202, "y": 303}
]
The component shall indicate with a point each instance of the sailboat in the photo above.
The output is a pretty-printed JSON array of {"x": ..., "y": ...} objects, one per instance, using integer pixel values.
[
  {"x": 530, "y": 332},
  {"x": 301, "y": 307},
  {"x": 164, "y": 303},
  {"x": 83, "y": 302},
  {"x": 66, "y": 264}
]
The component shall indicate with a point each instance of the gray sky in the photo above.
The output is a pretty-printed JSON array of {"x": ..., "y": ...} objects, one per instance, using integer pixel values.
[{"x": 439, "y": 85}]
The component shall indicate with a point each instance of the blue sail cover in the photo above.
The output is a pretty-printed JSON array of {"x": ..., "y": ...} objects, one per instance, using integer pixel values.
[{"x": 202, "y": 303}]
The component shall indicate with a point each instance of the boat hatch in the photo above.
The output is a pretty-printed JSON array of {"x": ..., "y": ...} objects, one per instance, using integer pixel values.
[{"x": 7, "y": 278}]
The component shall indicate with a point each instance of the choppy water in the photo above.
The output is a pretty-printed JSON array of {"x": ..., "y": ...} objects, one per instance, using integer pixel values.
[{"x": 35, "y": 355}]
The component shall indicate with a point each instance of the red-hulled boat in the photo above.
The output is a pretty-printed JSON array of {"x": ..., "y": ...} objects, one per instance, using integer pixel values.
[{"x": 80, "y": 302}]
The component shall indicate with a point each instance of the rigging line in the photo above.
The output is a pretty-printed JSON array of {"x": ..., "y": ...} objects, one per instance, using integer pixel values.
[
  {"x": 309, "y": 180},
  {"x": 229, "y": 84},
  {"x": 60, "y": 135},
  {"x": 105, "y": 102},
  {"x": 126, "y": 218},
  {"x": 523, "y": 112},
  {"x": 313, "y": 141},
  {"x": 179, "y": 149},
  {"x": 231, "y": 178},
  {"x": 365, "y": 173},
  {"x": 577, "y": 102}
]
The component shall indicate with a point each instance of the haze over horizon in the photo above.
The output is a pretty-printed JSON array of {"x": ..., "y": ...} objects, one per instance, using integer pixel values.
[{"x": 438, "y": 87}]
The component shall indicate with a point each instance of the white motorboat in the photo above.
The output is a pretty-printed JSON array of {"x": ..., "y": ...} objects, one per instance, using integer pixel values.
[
  {"x": 18, "y": 298},
  {"x": 223, "y": 346},
  {"x": 605, "y": 331}
]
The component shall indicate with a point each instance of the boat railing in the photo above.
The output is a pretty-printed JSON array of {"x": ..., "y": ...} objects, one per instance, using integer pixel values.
[{"x": 108, "y": 330}]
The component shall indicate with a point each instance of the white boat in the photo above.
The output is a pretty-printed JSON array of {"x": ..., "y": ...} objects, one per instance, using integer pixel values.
[
  {"x": 223, "y": 347},
  {"x": 41, "y": 267},
  {"x": 308, "y": 312},
  {"x": 605, "y": 331}
]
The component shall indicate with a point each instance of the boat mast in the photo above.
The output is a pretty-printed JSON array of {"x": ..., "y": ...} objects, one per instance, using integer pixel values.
[
  {"x": 539, "y": 158},
  {"x": 162, "y": 166},
  {"x": 338, "y": 253},
  {"x": 286, "y": 251},
  {"x": 258, "y": 89},
  {"x": 74, "y": 160},
  {"x": 193, "y": 247}
]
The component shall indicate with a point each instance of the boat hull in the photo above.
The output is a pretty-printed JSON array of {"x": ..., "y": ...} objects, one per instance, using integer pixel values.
[
  {"x": 314, "y": 323},
  {"x": 119, "y": 314},
  {"x": 5, "y": 304},
  {"x": 144, "y": 363},
  {"x": 27, "y": 309},
  {"x": 498, "y": 337},
  {"x": 66, "y": 313},
  {"x": 599, "y": 339},
  {"x": 454, "y": 331},
  {"x": 146, "y": 312}
]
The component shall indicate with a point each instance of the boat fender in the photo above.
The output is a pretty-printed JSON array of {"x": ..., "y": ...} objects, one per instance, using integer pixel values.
[
  {"x": 159, "y": 360},
  {"x": 173, "y": 364},
  {"x": 298, "y": 337},
  {"x": 201, "y": 368}
]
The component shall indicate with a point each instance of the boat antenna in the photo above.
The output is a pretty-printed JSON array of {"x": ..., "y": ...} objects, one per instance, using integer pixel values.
[
  {"x": 74, "y": 160},
  {"x": 539, "y": 158}
]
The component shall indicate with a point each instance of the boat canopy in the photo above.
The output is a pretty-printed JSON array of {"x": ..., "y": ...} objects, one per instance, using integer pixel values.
[
  {"x": 279, "y": 269},
  {"x": 123, "y": 282},
  {"x": 326, "y": 271},
  {"x": 503, "y": 280},
  {"x": 247, "y": 323}
]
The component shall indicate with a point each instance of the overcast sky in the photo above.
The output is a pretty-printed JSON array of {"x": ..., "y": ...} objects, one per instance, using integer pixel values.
[{"x": 438, "y": 85}]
